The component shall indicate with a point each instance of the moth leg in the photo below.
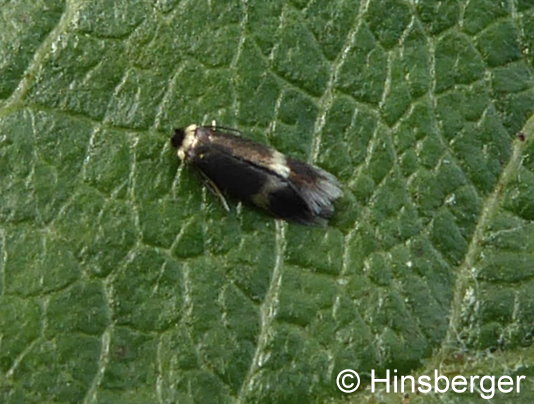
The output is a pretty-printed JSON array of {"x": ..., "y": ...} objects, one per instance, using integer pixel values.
[{"x": 215, "y": 190}]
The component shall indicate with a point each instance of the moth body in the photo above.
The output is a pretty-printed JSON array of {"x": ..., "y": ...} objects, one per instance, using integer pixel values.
[{"x": 257, "y": 174}]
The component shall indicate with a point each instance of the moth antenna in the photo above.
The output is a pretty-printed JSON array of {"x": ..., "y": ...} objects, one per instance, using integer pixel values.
[{"x": 228, "y": 129}]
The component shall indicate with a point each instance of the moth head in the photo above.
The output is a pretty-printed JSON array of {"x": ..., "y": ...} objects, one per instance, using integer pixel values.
[
  {"x": 184, "y": 139},
  {"x": 178, "y": 137}
]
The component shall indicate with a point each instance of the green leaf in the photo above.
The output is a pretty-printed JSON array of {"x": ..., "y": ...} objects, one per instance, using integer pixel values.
[{"x": 123, "y": 280}]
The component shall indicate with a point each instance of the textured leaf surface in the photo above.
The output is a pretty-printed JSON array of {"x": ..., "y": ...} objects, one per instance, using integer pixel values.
[{"x": 122, "y": 280}]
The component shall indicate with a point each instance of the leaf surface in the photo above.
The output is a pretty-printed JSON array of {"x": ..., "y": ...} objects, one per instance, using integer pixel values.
[{"x": 123, "y": 280}]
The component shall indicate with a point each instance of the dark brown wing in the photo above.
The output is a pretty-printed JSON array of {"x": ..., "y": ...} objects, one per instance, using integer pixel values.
[
  {"x": 253, "y": 184},
  {"x": 237, "y": 146},
  {"x": 288, "y": 188},
  {"x": 318, "y": 187}
]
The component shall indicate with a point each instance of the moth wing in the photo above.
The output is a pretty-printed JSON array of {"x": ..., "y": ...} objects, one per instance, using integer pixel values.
[
  {"x": 252, "y": 183},
  {"x": 317, "y": 187},
  {"x": 231, "y": 175},
  {"x": 240, "y": 147},
  {"x": 287, "y": 187}
]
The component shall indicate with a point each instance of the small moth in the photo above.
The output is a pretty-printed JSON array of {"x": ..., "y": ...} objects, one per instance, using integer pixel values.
[{"x": 287, "y": 188}]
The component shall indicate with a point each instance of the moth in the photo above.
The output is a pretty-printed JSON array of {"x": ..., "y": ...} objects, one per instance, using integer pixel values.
[{"x": 251, "y": 172}]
